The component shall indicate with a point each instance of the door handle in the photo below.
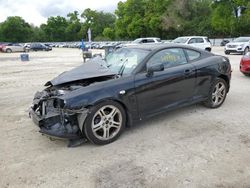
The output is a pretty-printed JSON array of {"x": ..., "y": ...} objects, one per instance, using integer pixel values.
[{"x": 187, "y": 71}]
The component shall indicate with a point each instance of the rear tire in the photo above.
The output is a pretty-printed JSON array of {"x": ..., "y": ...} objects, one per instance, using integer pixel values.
[
  {"x": 217, "y": 93},
  {"x": 246, "y": 74},
  {"x": 105, "y": 122},
  {"x": 227, "y": 52}
]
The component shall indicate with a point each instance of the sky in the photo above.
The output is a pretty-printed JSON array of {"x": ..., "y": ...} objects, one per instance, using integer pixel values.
[{"x": 37, "y": 11}]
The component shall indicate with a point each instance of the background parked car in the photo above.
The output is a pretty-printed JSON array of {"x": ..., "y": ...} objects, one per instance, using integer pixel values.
[
  {"x": 224, "y": 42},
  {"x": 195, "y": 41},
  {"x": 245, "y": 64},
  {"x": 39, "y": 47},
  {"x": 2, "y": 45},
  {"x": 148, "y": 40},
  {"x": 14, "y": 48},
  {"x": 239, "y": 45}
]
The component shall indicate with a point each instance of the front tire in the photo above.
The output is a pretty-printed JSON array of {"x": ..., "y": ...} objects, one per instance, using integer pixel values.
[
  {"x": 8, "y": 50},
  {"x": 227, "y": 52},
  {"x": 246, "y": 50},
  {"x": 105, "y": 122},
  {"x": 217, "y": 93}
]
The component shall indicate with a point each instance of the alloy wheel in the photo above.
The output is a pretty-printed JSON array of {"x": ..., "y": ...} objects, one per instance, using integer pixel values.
[
  {"x": 106, "y": 122},
  {"x": 219, "y": 93}
]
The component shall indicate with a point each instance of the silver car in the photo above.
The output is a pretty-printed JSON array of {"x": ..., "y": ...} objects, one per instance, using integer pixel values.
[
  {"x": 239, "y": 45},
  {"x": 148, "y": 40},
  {"x": 14, "y": 48},
  {"x": 201, "y": 42}
]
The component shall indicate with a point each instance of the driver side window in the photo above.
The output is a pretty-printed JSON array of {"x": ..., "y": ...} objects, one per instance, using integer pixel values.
[{"x": 169, "y": 58}]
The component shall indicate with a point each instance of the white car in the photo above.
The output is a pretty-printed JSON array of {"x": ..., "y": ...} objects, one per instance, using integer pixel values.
[
  {"x": 14, "y": 48},
  {"x": 201, "y": 42},
  {"x": 148, "y": 40},
  {"x": 239, "y": 45}
]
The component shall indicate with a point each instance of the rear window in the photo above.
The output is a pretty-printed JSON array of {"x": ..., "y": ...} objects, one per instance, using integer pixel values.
[{"x": 193, "y": 55}]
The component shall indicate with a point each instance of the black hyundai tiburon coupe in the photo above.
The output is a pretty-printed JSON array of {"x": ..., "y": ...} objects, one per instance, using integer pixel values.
[{"x": 98, "y": 99}]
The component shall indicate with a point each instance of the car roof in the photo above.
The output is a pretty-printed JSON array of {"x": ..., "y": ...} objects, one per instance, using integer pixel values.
[
  {"x": 193, "y": 37},
  {"x": 148, "y": 38},
  {"x": 152, "y": 47},
  {"x": 244, "y": 37}
]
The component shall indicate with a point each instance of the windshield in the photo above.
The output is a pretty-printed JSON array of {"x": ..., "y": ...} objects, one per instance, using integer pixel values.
[
  {"x": 242, "y": 39},
  {"x": 137, "y": 41},
  {"x": 180, "y": 40},
  {"x": 125, "y": 59}
]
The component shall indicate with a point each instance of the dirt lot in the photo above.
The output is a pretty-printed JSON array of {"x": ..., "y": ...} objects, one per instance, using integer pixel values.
[{"x": 189, "y": 147}]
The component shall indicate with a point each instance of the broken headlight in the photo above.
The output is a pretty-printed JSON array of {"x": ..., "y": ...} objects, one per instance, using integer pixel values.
[{"x": 59, "y": 103}]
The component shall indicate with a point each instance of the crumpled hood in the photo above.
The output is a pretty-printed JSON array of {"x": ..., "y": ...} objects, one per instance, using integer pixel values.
[{"x": 93, "y": 68}]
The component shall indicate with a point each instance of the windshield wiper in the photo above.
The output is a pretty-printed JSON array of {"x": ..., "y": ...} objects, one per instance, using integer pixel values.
[{"x": 122, "y": 68}]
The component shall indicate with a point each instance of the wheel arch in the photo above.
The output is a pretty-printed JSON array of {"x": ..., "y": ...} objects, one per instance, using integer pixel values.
[
  {"x": 209, "y": 49},
  {"x": 8, "y": 49},
  {"x": 224, "y": 77},
  {"x": 128, "y": 114}
]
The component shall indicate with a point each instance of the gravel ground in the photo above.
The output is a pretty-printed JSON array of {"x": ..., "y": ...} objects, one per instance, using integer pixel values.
[{"x": 189, "y": 147}]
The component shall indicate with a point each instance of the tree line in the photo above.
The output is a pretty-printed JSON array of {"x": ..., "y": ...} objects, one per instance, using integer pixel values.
[{"x": 166, "y": 19}]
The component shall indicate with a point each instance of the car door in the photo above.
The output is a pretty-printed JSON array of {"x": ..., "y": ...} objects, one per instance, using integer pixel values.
[
  {"x": 174, "y": 86},
  {"x": 40, "y": 46},
  {"x": 14, "y": 48},
  {"x": 33, "y": 47},
  {"x": 19, "y": 48}
]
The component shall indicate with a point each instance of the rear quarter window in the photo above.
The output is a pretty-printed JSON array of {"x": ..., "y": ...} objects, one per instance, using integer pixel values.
[
  {"x": 150, "y": 40},
  {"x": 207, "y": 39},
  {"x": 193, "y": 55}
]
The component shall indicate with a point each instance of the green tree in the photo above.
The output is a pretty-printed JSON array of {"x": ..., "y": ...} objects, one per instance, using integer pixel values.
[
  {"x": 223, "y": 21},
  {"x": 130, "y": 23},
  {"x": 153, "y": 18},
  {"x": 109, "y": 33},
  {"x": 74, "y": 27},
  {"x": 38, "y": 35},
  {"x": 227, "y": 21},
  {"x": 15, "y": 29},
  {"x": 199, "y": 22},
  {"x": 55, "y": 29},
  {"x": 97, "y": 22}
]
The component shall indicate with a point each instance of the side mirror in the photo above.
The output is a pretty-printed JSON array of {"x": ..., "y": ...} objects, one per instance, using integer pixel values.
[{"x": 154, "y": 68}]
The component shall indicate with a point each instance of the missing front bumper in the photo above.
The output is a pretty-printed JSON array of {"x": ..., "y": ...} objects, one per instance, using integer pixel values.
[{"x": 60, "y": 125}]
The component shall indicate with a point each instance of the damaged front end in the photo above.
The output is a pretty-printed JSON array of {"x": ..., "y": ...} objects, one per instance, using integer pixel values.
[
  {"x": 53, "y": 120},
  {"x": 49, "y": 109}
]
